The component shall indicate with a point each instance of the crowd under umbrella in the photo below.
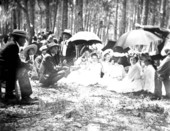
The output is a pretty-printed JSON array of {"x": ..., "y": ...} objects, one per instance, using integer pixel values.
[
  {"x": 137, "y": 37},
  {"x": 83, "y": 38}
]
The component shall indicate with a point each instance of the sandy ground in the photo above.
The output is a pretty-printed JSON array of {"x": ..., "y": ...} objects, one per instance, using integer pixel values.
[{"x": 92, "y": 108}]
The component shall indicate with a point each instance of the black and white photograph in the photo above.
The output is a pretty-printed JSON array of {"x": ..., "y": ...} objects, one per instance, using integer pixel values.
[{"x": 84, "y": 65}]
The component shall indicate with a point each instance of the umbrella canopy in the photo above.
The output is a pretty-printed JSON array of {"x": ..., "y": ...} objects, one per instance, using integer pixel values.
[
  {"x": 85, "y": 37},
  {"x": 137, "y": 37}
]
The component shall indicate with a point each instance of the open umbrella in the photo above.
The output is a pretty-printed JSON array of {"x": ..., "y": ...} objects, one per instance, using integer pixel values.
[
  {"x": 137, "y": 37},
  {"x": 84, "y": 37}
]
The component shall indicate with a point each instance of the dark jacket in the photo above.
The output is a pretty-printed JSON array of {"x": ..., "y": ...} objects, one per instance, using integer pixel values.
[
  {"x": 9, "y": 56},
  {"x": 49, "y": 63}
]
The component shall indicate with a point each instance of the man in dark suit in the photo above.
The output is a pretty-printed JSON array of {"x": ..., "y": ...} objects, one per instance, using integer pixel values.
[{"x": 11, "y": 63}]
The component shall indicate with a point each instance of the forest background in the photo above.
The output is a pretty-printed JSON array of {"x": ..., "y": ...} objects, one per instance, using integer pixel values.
[{"x": 109, "y": 19}]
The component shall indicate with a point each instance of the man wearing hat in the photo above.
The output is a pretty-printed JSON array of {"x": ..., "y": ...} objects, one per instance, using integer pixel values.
[
  {"x": 38, "y": 59},
  {"x": 64, "y": 44},
  {"x": 50, "y": 71},
  {"x": 12, "y": 64},
  {"x": 164, "y": 74}
]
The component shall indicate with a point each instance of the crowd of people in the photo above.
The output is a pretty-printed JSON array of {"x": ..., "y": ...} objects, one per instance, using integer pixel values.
[{"x": 51, "y": 61}]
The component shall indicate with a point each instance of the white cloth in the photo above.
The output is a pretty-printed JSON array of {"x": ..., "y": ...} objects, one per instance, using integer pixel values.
[
  {"x": 149, "y": 79},
  {"x": 131, "y": 83},
  {"x": 86, "y": 75},
  {"x": 64, "y": 45}
]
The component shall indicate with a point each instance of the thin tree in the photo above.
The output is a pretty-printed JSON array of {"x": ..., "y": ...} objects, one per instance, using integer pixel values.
[
  {"x": 123, "y": 21},
  {"x": 116, "y": 20},
  {"x": 79, "y": 16},
  {"x": 145, "y": 12},
  {"x": 65, "y": 14}
]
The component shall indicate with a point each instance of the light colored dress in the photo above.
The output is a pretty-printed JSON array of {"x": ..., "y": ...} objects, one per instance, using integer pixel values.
[
  {"x": 131, "y": 83},
  {"x": 87, "y": 74},
  {"x": 115, "y": 73},
  {"x": 149, "y": 78}
]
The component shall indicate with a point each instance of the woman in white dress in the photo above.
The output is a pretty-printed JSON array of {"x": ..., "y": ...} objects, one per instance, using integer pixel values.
[
  {"x": 114, "y": 75},
  {"x": 132, "y": 81},
  {"x": 149, "y": 76},
  {"x": 87, "y": 74}
]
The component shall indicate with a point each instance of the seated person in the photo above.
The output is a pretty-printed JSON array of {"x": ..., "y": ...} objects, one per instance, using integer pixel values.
[
  {"x": 84, "y": 57},
  {"x": 106, "y": 63},
  {"x": 50, "y": 70},
  {"x": 86, "y": 75},
  {"x": 39, "y": 58},
  {"x": 115, "y": 73},
  {"x": 149, "y": 76},
  {"x": 29, "y": 52},
  {"x": 132, "y": 81}
]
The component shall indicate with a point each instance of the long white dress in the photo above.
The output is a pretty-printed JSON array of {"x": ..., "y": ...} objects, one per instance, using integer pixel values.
[
  {"x": 131, "y": 83},
  {"x": 88, "y": 74},
  {"x": 115, "y": 73},
  {"x": 149, "y": 79}
]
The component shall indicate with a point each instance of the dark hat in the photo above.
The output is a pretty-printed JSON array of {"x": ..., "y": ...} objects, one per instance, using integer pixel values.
[
  {"x": 52, "y": 44},
  {"x": 19, "y": 33}
]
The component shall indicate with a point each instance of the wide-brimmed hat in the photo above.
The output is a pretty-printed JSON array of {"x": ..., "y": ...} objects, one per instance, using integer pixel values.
[
  {"x": 27, "y": 48},
  {"x": 44, "y": 47},
  {"x": 67, "y": 31},
  {"x": 20, "y": 33},
  {"x": 52, "y": 44}
]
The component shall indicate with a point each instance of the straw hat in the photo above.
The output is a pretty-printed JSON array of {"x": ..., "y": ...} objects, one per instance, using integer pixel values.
[
  {"x": 52, "y": 44},
  {"x": 26, "y": 49}
]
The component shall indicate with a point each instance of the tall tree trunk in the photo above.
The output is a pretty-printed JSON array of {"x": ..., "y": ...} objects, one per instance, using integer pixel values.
[
  {"x": 163, "y": 14},
  {"x": 25, "y": 9},
  {"x": 135, "y": 10},
  {"x": 108, "y": 27},
  {"x": 28, "y": 20},
  {"x": 139, "y": 11},
  {"x": 72, "y": 18},
  {"x": 55, "y": 14},
  {"x": 65, "y": 15},
  {"x": 145, "y": 12},
  {"x": 19, "y": 17},
  {"x": 47, "y": 3},
  {"x": 14, "y": 21},
  {"x": 32, "y": 17},
  {"x": 79, "y": 16},
  {"x": 116, "y": 20},
  {"x": 41, "y": 14},
  {"x": 123, "y": 21},
  {"x": 168, "y": 17},
  {"x": 154, "y": 12}
]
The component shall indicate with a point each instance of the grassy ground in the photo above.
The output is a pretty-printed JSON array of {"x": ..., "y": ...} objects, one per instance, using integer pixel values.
[{"x": 93, "y": 108}]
